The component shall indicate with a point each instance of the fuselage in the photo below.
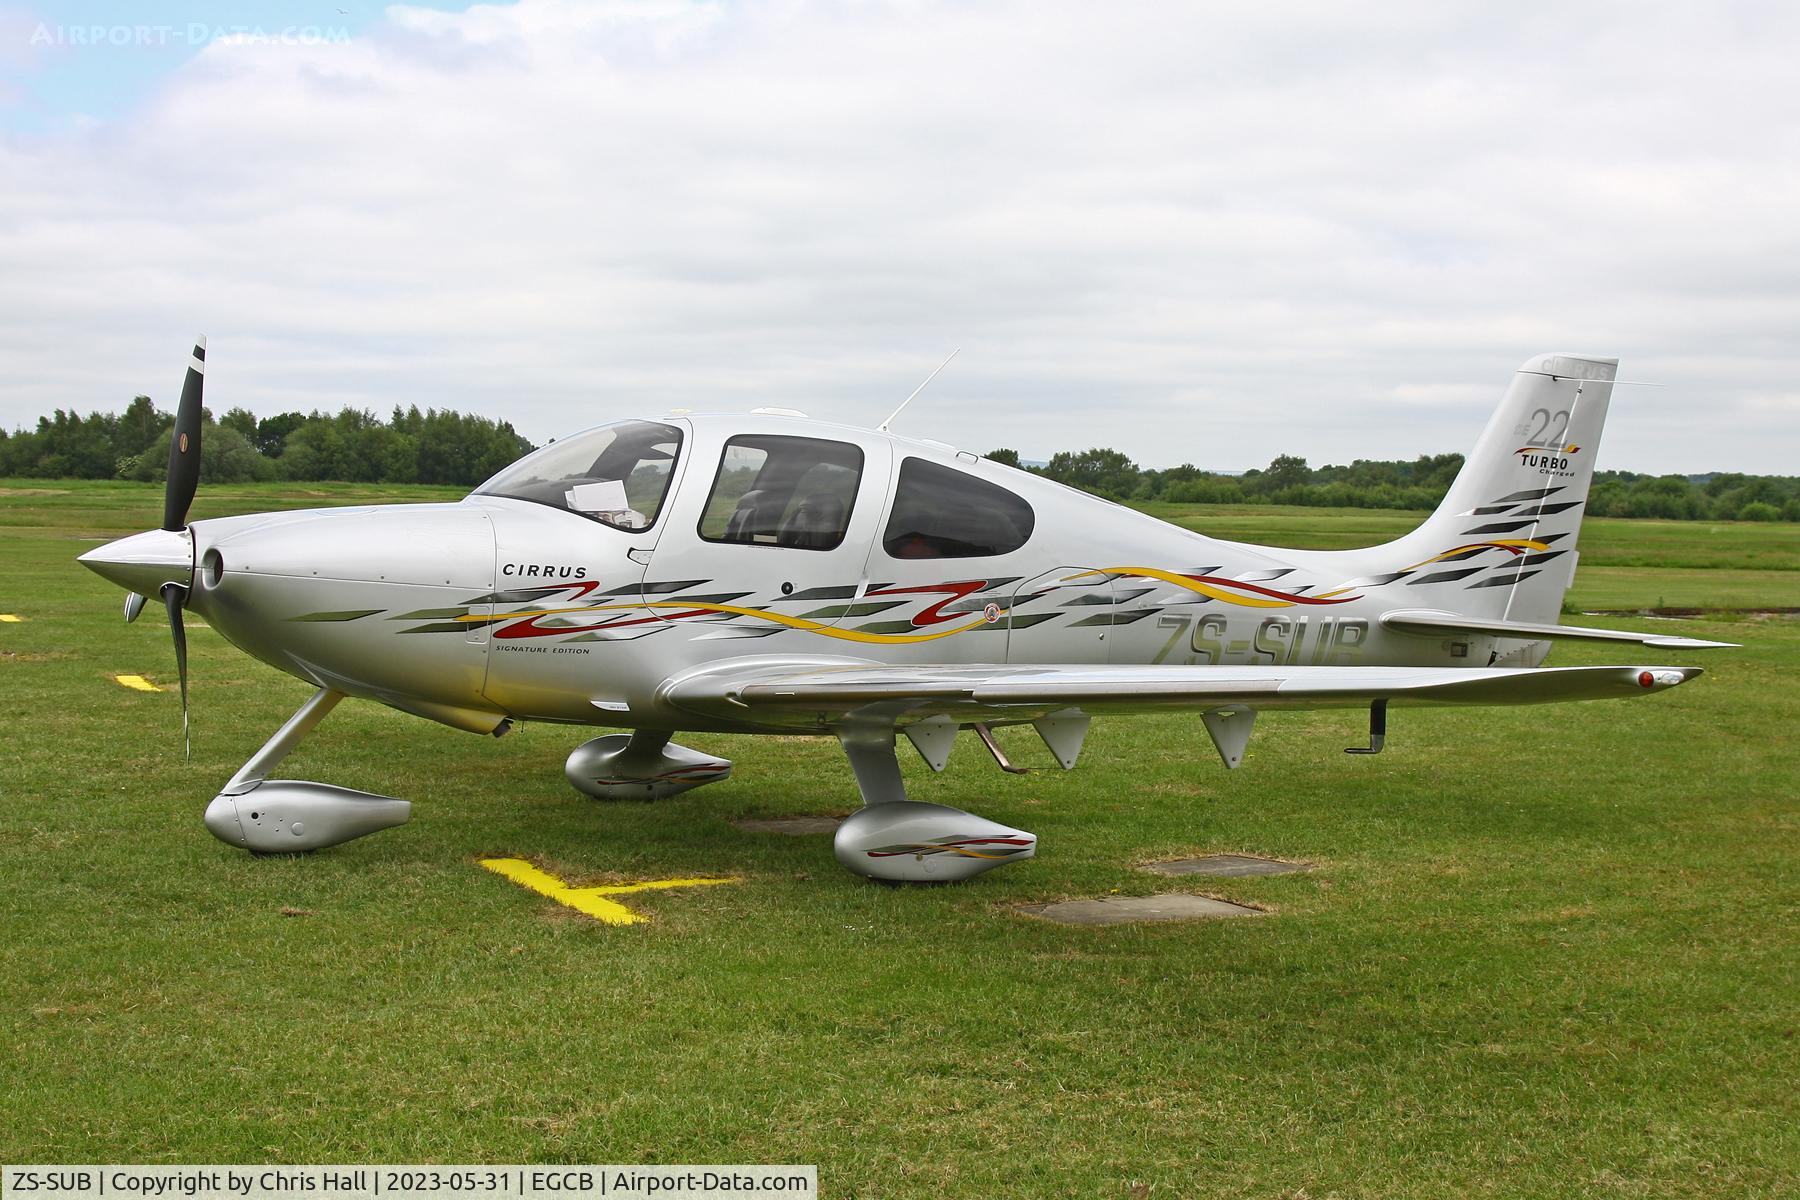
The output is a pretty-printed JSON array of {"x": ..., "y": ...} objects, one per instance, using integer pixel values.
[{"x": 770, "y": 536}]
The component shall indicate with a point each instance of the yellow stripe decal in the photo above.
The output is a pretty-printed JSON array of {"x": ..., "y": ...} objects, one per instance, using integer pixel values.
[
  {"x": 136, "y": 683},
  {"x": 805, "y": 625},
  {"x": 1182, "y": 581},
  {"x": 1521, "y": 544},
  {"x": 800, "y": 623},
  {"x": 589, "y": 900}
]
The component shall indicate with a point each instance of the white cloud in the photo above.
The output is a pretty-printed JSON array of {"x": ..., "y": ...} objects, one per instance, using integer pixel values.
[{"x": 1195, "y": 233}]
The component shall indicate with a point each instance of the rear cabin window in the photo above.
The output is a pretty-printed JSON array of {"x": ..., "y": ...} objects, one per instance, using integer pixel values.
[
  {"x": 940, "y": 512},
  {"x": 783, "y": 491}
]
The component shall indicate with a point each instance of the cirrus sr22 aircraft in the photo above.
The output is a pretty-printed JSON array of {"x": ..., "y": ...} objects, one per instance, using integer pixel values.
[{"x": 767, "y": 573}]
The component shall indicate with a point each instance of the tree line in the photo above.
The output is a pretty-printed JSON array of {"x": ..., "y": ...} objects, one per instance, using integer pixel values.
[
  {"x": 352, "y": 446},
  {"x": 1419, "y": 484},
  {"x": 439, "y": 446}
]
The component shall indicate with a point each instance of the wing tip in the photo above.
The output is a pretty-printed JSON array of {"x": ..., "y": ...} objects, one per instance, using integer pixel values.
[{"x": 1661, "y": 679}]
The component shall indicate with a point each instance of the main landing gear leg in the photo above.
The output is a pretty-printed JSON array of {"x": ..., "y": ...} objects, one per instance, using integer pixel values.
[
  {"x": 285, "y": 816},
  {"x": 898, "y": 839}
]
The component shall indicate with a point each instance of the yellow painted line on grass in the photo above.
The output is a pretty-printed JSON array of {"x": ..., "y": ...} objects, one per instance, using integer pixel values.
[
  {"x": 136, "y": 683},
  {"x": 11, "y": 618},
  {"x": 589, "y": 900}
]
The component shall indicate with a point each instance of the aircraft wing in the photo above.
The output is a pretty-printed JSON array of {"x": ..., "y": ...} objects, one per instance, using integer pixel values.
[
  {"x": 783, "y": 692},
  {"x": 1436, "y": 624}
]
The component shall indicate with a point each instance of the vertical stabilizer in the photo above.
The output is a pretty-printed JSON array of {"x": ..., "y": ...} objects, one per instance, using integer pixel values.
[{"x": 1502, "y": 544}]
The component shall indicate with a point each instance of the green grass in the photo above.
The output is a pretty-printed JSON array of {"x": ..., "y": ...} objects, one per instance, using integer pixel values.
[{"x": 1545, "y": 951}]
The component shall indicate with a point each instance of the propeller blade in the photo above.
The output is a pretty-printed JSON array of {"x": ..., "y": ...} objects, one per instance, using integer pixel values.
[
  {"x": 174, "y": 595},
  {"x": 184, "y": 446},
  {"x": 134, "y": 604}
]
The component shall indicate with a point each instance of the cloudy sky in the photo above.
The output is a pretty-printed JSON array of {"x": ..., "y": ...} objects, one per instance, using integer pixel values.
[{"x": 1206, "y": 233}]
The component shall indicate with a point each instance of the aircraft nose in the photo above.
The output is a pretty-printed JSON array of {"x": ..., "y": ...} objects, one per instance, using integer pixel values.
[
  {"x": 143, "y": 562},
  {"x": 222, "y": 820}
]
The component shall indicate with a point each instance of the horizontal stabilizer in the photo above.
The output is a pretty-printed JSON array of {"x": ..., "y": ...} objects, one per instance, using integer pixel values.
[{"x": 1431, "y": 623}]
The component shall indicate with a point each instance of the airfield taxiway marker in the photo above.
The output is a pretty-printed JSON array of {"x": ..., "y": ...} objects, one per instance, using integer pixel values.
[
  {"x": 1121, "y": 910},
  {"x": 792, "y": 826},
  {"x": 590, "y": 900},
  {"x": 11, "y": 618},
  {"x": 136, "y": 683},
  {"x": 1225, "y": 865}
]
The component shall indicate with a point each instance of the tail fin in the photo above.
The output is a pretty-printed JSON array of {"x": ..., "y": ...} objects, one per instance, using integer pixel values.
[{"x": 1502, "y": 544}]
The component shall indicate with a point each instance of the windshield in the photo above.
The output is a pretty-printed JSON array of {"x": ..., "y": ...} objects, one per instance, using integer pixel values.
[{"x": 617, "y": 474}]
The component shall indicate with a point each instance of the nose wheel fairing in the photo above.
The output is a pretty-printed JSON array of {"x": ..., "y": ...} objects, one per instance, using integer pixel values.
[{"x": 287, "y": 816}]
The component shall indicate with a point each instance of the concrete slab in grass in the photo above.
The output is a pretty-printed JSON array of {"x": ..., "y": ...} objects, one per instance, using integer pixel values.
[
  {"x": 1121, "y": 910},
  {"x": 1225, "y": 866},
  {"x": 792, "y": 826}
]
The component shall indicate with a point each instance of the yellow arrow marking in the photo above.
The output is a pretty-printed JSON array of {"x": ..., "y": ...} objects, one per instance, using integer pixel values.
[
  {"x": 11, "y": 618},
  {"x": 589, "y": 900},
  {"x": 136, "y": 683}
]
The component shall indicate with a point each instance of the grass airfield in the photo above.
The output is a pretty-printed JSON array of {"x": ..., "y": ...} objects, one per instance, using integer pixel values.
[{"x": 1545, "y": 951}]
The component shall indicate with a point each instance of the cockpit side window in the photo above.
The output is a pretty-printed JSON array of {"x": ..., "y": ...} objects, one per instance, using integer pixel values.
[
  {"x": 617, "y": 474},
  {"x": 783, "y": 491},
  {"x": 940, "y": 512}
]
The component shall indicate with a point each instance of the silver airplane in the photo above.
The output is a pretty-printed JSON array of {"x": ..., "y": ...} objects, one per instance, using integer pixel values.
[{"x": 767, "y": 573}]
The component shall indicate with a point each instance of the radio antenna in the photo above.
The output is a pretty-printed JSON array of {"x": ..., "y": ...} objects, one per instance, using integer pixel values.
[{"x": 883, "y": 427}]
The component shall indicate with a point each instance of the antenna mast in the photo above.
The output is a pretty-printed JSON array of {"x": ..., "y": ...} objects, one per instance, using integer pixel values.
[{"x": 883, "y": 427}]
